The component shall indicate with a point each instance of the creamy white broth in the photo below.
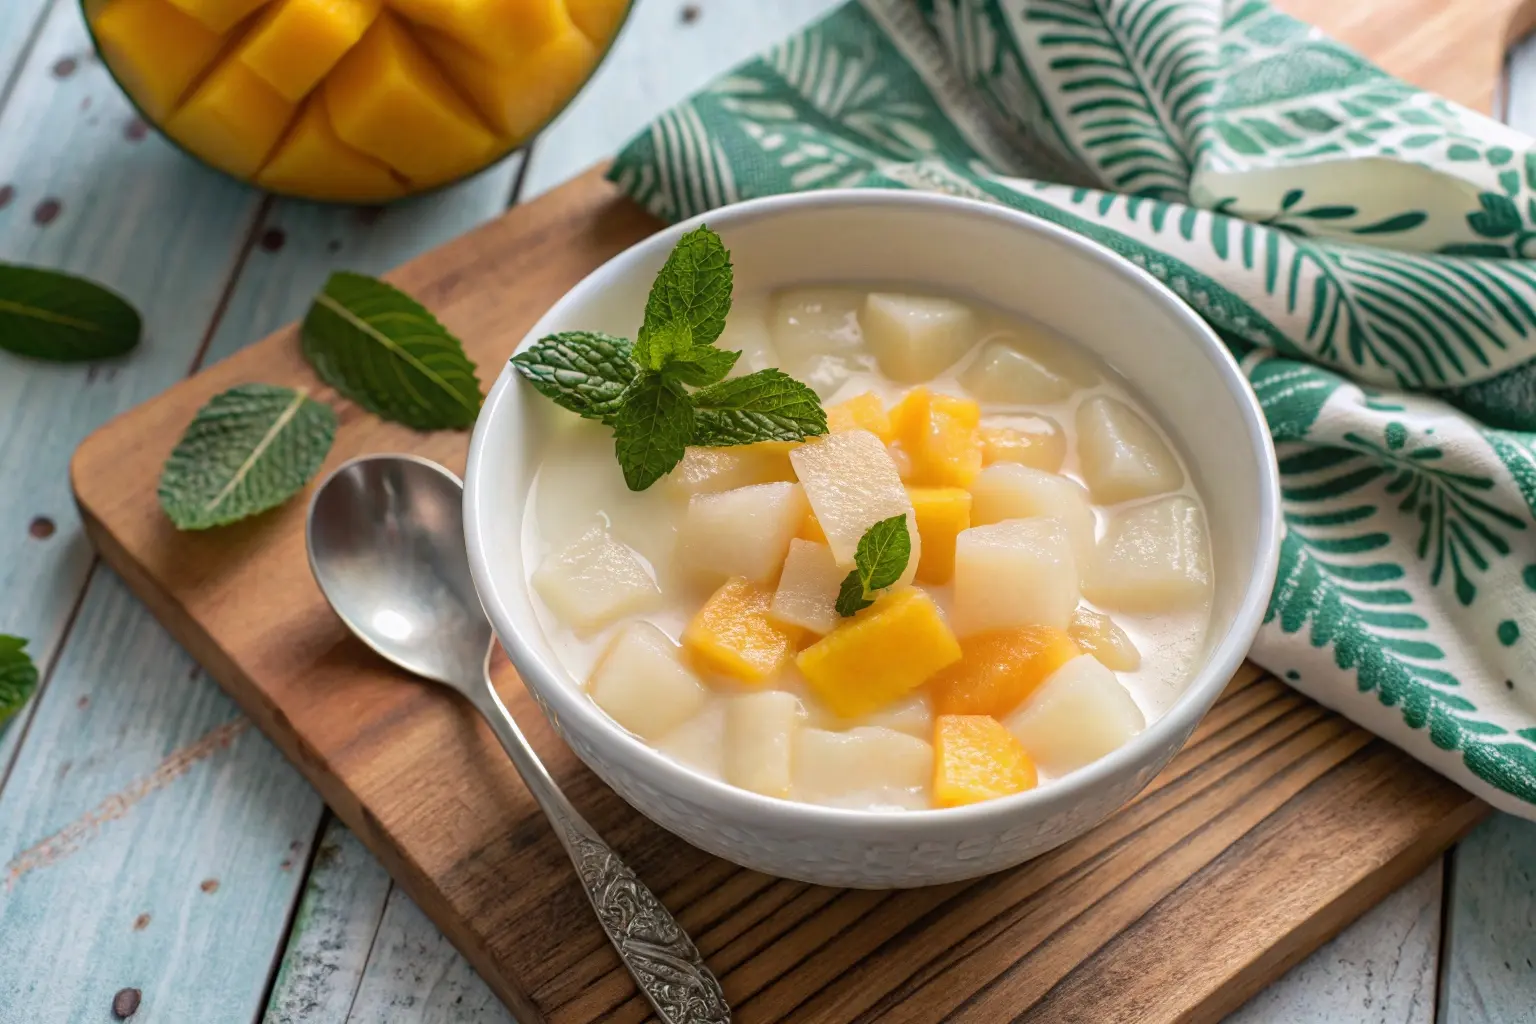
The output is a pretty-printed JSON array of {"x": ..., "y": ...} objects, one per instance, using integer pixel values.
[{"x": 579, "y": 485}]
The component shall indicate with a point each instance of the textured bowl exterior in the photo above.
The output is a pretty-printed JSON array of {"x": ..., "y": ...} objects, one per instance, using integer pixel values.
[{"x": 1199, "y": 394}]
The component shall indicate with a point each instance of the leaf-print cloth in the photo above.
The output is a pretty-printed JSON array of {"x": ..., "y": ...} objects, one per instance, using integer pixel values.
[{"x": 1356, "y": 241}]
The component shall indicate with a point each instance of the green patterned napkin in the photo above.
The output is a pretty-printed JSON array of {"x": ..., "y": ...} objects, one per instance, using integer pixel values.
[{"x": 1358, "y": 243}]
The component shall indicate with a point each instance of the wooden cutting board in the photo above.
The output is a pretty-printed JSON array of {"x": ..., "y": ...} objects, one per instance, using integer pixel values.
[{"x": 1278, "y": 824}]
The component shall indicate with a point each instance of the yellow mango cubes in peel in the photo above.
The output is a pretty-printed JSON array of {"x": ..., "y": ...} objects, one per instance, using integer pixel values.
[{"x": 352, "y": 100}]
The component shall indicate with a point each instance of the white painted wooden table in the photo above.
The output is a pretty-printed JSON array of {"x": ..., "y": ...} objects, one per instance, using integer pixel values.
[{"x": 150, "y": 839}]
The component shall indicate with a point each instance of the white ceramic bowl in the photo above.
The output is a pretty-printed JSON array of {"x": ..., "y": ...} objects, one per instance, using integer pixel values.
[{"x": 1014, "y": 261}]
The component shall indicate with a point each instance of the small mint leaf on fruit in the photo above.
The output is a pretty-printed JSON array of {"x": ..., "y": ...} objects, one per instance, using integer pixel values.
[
  {"x": 768, "y": 405},
  {"x": 702, "y": 366},
  {"x": 385, "y": 351},
  {"x": 651, "y": 429},
  {"x": 583, "y": 371},
  {"x": 18, "y": 676},
  {"x": 62, "y": 318},
  {"x": 689, "y": 300},
  {"x": 250, "y": 449},
  {"x": 879, "y": 561},
  {"x": 850, "y": 596}
]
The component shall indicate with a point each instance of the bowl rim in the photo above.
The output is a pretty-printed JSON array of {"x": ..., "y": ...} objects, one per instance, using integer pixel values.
[{"x": 561, "y": 695}]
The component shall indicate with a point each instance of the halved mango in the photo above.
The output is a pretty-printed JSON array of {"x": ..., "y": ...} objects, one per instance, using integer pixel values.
[
  {"x": 975, "y": 758},
  {"x": 232, "y": 120},
  {"x": 999, "y": 669},
  {"x": 880, "y": 655},
  {"x": 312, "y": 161},
  {"x": 388, "y": 99},
  {"x": 154, "y": 49},
  {"x": 938, "y": 434},
  {"x": 500, "y": 29},
  {"x": 733, "y": 635},
  {"x": 516, "y": 97},
  {"x": 219, "y": 15},
  {"x": 942, "y": 512},
  {"x": 862, "y": 412},
  {"x": 297, "y": 42}
]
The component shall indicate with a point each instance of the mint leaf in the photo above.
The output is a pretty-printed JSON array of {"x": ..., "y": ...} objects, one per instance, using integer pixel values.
[
  {"x": 249, "y": 449},
  {"x": 18, "y": 676},
  {"x": 383, "y": 350},
  {"x": 850, "y": 596},
  {"x": 701, "y": 366},
  {"x": 879, "y": 561},
  {"x": 582, "y": 371},
  {"x": 48, "y": 315},
  {"x": 688, "y": 301},
  {"x": 768, "y": 405},
  {"x": 883, "y": 553},
  {"x": 651, "y": 429}
]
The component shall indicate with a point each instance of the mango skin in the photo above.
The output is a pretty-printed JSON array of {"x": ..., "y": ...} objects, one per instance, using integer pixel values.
[{"x": 257, "y": 121}]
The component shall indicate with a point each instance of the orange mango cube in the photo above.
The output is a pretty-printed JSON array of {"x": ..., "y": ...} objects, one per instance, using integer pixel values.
[
  {"x": 503, "y": 30},
  {"x": 1041, "y": 446},
  {"x": 386, "y": 97},
  {"x": 597, "y": 19},
  {"x": 811, "y": 529},
  {"x": 516, "y": 98},
  {"x": 999, "y": 669},
  {"x": 154, "y": 49},
  {"x": 942, "y": 512},
  {"x": 938, "y": 433},
  {"x": 232, "y": 120},
  {"x": 880, "y": 655},
  {"x": 297, "y": 42},
  {"x": 219, "y": 15},
  {"x": 733, "y": 635},
  {"x": 862, "y": 412},
  {"x": 312, "y": 161},
  {"x": 975, "y": 758}
]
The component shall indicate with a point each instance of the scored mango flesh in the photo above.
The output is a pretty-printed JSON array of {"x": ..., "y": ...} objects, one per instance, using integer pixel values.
[{"x": 352, "y": 100}]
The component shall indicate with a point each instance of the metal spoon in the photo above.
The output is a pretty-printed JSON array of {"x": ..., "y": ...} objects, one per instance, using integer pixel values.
[{"x": 386, "y": 544}]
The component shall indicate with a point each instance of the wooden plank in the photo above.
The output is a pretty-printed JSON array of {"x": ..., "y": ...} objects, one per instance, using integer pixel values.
[
  {"x": 1269, "y": 788},
  {"x": 167, "y": 234},
  {"x": 1489, "y": 976},
  {"x": 415, "y": 975},
  {"x": 332, "y": 933},
  {"x": 660, "y": 58},
  {"x": 1380, "y": 970}
]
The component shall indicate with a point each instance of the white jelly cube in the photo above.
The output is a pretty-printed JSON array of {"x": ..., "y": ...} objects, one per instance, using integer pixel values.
[
  {"x": 915, "y": 337},
  {"x": 699, "y": 742},
  {"x": 1009, "y": 490},
  {"x": 1121, "y": 455},
  {"x": 1154, "y": 557},
  {"x": 710, "y": 470},
  {"x": 759, "y": 741},
  {"x": 862, "y": 767},
  {"x": 1015, "y": 573},
  {"x": 1026, "y": 367},
  {"x": 742, "y": 532},
  {"x": 641, "y": 682},
  {"x": 808, "y": 586},
  {"x": 595, "y": 581},
  {"x": 1079, "y": 714},
  {"x": 817, "y": 335},
  {"x": 912, "y": 715},
  {"x": 852, "y": 484}
]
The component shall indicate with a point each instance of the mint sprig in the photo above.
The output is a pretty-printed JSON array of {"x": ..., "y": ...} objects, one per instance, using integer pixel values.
[
  {"x": 879, "y": 561},
  {"x": 640, "y": 390},
  {"x": 18, "y": 676}
]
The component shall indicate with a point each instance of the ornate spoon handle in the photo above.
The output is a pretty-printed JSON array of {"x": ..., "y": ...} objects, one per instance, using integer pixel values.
[{"x": 659, "y": 954}]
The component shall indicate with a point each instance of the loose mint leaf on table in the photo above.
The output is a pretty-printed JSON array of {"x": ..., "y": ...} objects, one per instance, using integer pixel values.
[
  {"x": 879, "y": 561},
  {"x": 48, "y": 315},
  {"x": 383, "y": 350},
  {"x": 651, "y": 429},
  {"x": 768, "y": 405},
  {"x": 583, "y": 371},
  {"x": 18, "y": 676},
  {"x": 689, "y": 300},
  {"x": 702, "y": 366},
  {"x": 249, "y": 449}
]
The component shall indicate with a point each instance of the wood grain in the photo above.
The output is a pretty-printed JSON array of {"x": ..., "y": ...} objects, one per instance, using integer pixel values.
[{"x": 1262, "y": 801}]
